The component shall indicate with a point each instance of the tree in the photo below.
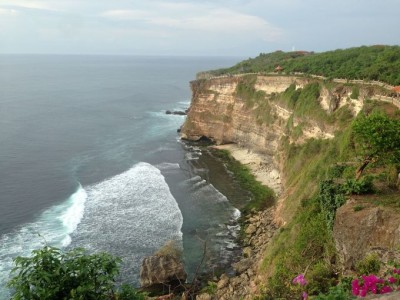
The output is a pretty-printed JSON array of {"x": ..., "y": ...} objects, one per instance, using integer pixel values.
[
  {"x": 52, "y": 274},
  {"x": 377, "y": 137}
]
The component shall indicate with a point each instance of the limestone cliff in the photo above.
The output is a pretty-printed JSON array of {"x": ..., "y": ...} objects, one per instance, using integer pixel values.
[
  {"x": 221, "y": 114},
  {"x": 256, "y": 113}
]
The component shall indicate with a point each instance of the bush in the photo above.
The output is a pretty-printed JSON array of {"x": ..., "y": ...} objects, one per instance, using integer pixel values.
[
  {"x": 321, "y": 277},
  {"x": 330, "y": 198},
  {"x": 52, "y": 274},
  {"x": 339, "y": 292},
  {"x": 130, "y": 293},
  {"x": 171, "y": 248},
  {"x": 369, "y": 265},
  {"x": 359, "y": 187}
]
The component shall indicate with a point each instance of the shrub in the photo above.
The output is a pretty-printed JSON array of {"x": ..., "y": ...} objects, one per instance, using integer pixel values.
[
  {"x": 338, "y": 292},
  {"x": 330, "y": 197},
  {"x": 171, "y": 248},
  {"x": 52, "y": 274},
  {"x": 321, "y": 278},
  {"x": 369, "y": 265},
  {"x": 128, "y": 292},
  {"x": 359, "y": 187}
]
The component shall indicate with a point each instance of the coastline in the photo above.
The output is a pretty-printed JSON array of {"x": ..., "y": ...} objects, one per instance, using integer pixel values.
[
  {"x": 259, "y": 228},
  {"x": 260, "y": 166}
]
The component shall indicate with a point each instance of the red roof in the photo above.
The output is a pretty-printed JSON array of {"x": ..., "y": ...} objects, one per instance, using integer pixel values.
[{"x": 397, "y": 89}]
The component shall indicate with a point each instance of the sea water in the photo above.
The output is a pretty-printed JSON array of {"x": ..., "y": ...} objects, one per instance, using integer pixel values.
[{"x": 88, "y": 158}]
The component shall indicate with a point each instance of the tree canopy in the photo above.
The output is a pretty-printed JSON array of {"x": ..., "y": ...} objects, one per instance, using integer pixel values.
[
  {"x": 377, "y": 62},
  {"x": 377, "y": 138}
]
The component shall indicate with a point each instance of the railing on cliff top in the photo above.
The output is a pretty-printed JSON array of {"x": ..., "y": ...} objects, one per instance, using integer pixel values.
[{"x": 391, "y": 99}]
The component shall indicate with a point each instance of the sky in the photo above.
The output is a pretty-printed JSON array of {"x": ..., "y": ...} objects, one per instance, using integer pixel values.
[{"x": 194, "y": 27}]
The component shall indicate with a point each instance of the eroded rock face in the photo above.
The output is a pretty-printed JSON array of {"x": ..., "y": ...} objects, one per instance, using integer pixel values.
[
  {"x": 372, "y": 229},
  {"x": 218, "y": 113},
  {"x": 162, "y": 269}
]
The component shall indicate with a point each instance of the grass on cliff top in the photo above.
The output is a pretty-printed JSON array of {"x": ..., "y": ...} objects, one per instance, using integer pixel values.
[
  {"x": 262, "y": 196},
  {"x": 368, "y": 63}
]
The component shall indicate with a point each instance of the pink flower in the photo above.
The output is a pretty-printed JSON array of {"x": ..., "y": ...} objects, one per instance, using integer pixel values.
[
  {"x": 300, "y": 280},
  {"x": 305, "y": 296},
  {"x": 355, "y": 287},
  {"x": 364, "y": 291},
  {"x": 386, "y": 289},
  {"x": 392, "y": 279}
]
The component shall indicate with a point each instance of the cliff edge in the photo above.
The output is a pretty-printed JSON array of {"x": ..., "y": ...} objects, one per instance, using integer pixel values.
[{"x": 299, "y": 125}]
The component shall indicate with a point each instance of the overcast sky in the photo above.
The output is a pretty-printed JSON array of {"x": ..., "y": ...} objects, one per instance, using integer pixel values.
[{"x": 194, "y": 27}]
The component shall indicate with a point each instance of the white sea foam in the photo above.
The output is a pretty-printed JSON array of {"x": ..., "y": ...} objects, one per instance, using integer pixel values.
[
  {"x": 73, "y": 215},
  {"x": 52, "y": 227},
  {"x": 168, "y": 166},
  {"x": 236, "y": 214},
  {"x": 129, "y": 215}
]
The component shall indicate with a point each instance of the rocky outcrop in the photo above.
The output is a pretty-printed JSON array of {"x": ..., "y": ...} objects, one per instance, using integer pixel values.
[
  {"x": 218, "y": 114},
  {"x": 176, "y": 112},
  {"x": 360, "y": 232},
  {"x": 165, "y": 270},
  {"x": 260, "y": 229}
]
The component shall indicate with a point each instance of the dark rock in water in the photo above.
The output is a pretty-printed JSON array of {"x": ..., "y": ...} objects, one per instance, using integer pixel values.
[
  {"x": 162, "y": 270},
  {"x": 176, "y": 112},
  {"x": 178, "y": 130}
]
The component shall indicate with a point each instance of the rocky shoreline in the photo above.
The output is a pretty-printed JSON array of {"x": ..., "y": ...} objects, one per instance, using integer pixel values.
[{"x": 260, "y": 229}]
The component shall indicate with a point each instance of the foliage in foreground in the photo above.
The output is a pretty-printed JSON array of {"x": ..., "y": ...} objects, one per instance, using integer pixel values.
[{"x": 52, "y": 274}]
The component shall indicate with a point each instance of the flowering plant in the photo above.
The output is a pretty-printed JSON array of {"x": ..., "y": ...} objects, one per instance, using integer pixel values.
[
  {"x": 372, "y": 284},
  {"x": 299, "y": 279}
]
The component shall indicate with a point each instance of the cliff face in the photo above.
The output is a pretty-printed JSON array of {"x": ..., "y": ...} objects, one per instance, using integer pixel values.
[
  {"x": 221, "y": 114},
  {"x": 218, "y": 114},
  {"x": 254, "y": 112}
]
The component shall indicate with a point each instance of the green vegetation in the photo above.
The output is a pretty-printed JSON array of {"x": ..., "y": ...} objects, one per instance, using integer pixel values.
[
  {"x": 245, "y": 91},
  {"x": 367, "y": 63},
  {"x": 369, "y": 265},
  {"x": 320, "y": 175},
  {"x": 355, "y": 93},
  {"x": 377, "y": 137},
  {"x": 52, "y": 274},
  {"x": 262, "y": 196},
  {"x": 330, "y": 198}
]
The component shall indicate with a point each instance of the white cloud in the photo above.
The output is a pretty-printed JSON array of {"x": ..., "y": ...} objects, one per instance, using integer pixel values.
[
  {"x": 126, "y": 14},
  {"x": 8, "y": 11},
  {"x": 40, "y": 5},
  {"x": 199, "y": 18}
]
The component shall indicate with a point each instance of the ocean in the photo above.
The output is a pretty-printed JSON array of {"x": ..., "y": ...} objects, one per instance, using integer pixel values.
[{"x": 88, "y": 158}]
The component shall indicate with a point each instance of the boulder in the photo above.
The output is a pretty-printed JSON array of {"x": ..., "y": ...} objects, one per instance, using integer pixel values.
[
  {"x": 162, "y": 270},
  {"x": 371, "y": 229}
]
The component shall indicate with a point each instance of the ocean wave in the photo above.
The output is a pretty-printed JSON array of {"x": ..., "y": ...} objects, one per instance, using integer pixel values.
[
  {"x": 53, "y": 227},
  {"x": 130, "y": 215}
]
